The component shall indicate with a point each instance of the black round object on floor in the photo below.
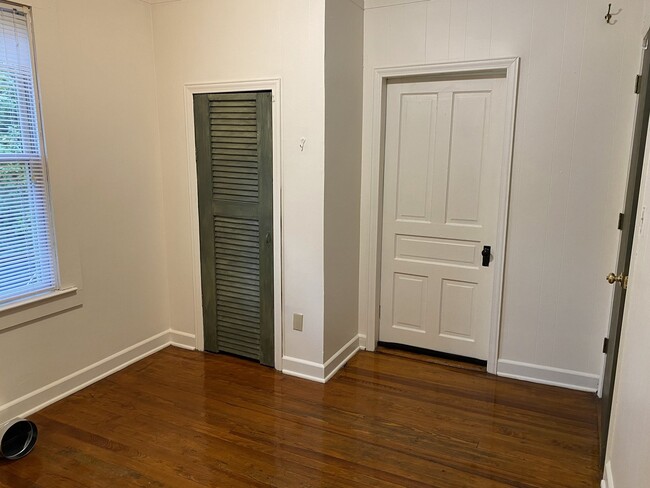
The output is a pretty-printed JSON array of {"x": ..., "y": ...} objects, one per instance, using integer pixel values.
[{"x": 17, "y": 438}]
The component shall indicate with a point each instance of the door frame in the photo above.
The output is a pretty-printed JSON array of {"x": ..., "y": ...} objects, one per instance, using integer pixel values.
[
  {"x": 372, "y": 190},
  {"x": 274, "y": 86}
]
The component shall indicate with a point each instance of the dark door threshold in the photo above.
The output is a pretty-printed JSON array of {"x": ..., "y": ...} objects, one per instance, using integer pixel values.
[{"x": 435, "y": 354}]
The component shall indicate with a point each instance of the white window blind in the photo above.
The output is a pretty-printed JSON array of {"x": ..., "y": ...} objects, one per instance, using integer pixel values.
[{"x": 27, "y": 258}]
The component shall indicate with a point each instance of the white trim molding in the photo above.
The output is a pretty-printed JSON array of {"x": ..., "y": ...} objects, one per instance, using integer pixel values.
[
  {"x": 608, "y": 480},
  {"x": 274, "y": 85},
  {"x": 183, "y": 340},
  {"x": 546, "y": 375},
  {"x": 38, "y": 307},
  {"x": 321, "y": 373},
  {"x": 371, "y": 191},
  {"x": 59, "y": 389},
  {"x": 66, "y": 386},
  {"x": 370, "y": 4},
  {"x": 340, "y": 358},
  {"x": 308, "y": 370},
  {"x": 362, "y": 341}
]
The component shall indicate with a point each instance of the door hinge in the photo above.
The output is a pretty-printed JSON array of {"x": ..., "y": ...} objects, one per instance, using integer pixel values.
[
  {"x": 380, "y": 311},
  {"x": 621, "y": 218},
  {"x": 605, "y": 345},
  {"x": 637, "y": 84}
]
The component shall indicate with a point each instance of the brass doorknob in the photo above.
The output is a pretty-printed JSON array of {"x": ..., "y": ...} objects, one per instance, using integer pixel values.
[{"x": 621, "y": 278}]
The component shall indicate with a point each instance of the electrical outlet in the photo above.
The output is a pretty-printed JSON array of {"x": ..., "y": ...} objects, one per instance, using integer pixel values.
[{"x": 297, "y": 322}]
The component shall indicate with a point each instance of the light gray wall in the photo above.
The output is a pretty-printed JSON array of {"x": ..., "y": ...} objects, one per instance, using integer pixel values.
[{"x": 343, "y": 105}]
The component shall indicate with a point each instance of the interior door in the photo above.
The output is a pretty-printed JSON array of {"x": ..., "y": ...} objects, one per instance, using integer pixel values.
[
  {"x": 625, "y": 250},
  {"x": 442, "y": 187},
  {"x": 235, "y": 190}
]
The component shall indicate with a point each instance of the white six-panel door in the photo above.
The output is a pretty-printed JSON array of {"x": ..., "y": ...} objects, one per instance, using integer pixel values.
[{"x": 442, "y": 183}]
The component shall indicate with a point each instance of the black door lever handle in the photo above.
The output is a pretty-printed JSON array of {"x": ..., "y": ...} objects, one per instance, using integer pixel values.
[{"x": 487, "y": 254}]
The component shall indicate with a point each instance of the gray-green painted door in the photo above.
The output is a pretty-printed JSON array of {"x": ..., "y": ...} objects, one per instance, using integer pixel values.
[
  {"x": 234, "y": 160},
  {"x": 639, "y": 143}
]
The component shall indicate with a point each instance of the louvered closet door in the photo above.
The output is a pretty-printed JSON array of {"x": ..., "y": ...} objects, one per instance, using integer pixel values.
[{"x": 235, "y": 186}]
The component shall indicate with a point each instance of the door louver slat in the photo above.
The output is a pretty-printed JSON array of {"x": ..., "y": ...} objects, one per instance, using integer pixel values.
[
  {"x": 226, "y": 163},
  {"x": 235, "y": 293}
]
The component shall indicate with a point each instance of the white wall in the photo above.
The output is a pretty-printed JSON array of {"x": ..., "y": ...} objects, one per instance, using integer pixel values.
[
  {"x": 95, "y": 62},
  {"x": 343, "y": 96},
  {"x": 573, "y": 132},
  {"x": 209, "y": 41}
]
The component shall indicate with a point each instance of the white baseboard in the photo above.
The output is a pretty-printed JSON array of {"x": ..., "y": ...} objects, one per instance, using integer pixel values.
[
  {"x": 41, "y": 398},
  {"x": 321, "y": 373},
  {"x": 363, "y": 340},
  {"x": 546, "y": 375},
  {"x": 182, "y": 339},
  {"x": 59, "y": 389},
  {"x": 342, "y": 356},
  {"x": 308, "y": 370},
  {"x": 608, "y": 481}
]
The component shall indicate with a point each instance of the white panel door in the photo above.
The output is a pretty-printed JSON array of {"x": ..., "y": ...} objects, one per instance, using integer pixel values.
[{"x": 442, "y": 183}]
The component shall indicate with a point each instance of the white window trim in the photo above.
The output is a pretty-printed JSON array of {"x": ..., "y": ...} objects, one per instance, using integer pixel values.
[
  {"x": 25, "y": 310},
  {"x": 15, "y": 314}
]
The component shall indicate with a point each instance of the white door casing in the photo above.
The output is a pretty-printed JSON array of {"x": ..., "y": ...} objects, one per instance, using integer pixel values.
[
  {"x": 443, "y": 184},
  {"x": 190, "y": 89}
]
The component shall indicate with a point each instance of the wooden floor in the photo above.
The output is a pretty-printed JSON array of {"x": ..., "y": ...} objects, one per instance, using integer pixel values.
[{"x": 188, "y": 419}]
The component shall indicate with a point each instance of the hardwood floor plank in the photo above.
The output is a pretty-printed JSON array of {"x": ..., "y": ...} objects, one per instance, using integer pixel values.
[{"x": 190, "y": 420}]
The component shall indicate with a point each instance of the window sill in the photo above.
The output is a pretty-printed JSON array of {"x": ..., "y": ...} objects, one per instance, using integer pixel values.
[{"x": 23, "y": 311}]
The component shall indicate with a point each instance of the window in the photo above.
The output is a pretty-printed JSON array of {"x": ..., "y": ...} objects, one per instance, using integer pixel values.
[{"x": 27, "y": 254}]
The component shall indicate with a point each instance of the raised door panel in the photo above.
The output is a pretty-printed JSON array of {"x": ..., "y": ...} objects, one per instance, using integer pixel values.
[
  {"x": 415, "y": 157},
  {"x": 469, "y": 127},
  {"x": 410, "y": 302},
  {"x": 457, "y": 302}
]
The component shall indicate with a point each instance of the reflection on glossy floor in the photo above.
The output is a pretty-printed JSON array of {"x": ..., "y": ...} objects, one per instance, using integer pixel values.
[{"x": 188, "y": 419}]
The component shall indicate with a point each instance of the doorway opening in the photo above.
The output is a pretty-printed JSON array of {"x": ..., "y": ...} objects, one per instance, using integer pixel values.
[
  {"x": 234, "y": 161},
  {"x": 234, "y": 158},
  {"x": 438, "y": 203},
  {"x": 627, "y": 228}
]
